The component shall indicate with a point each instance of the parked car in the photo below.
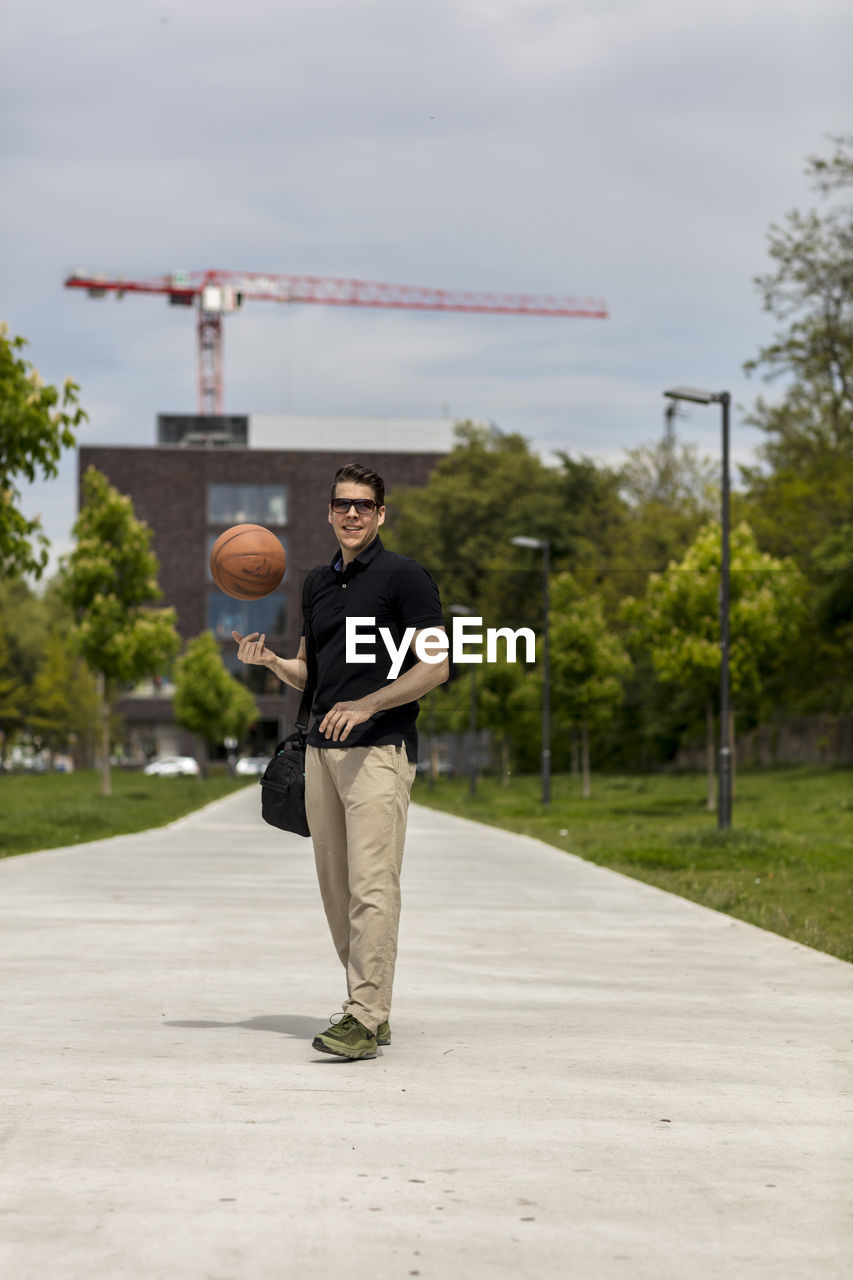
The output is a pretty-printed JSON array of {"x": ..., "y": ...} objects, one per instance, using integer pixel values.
[
  {"x": 172, "y": 767},
  {"x": 252, "y": 766}
]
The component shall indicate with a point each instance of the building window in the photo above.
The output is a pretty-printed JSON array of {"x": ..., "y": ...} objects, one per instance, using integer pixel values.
[
  {"x": 225, "y": 615},
  {"x": 229, "y": 504},
  {"x": 260, "y": 680},
  {"x": 211, "y": 538}
]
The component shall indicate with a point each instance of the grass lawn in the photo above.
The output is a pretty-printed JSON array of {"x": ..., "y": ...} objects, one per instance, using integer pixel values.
[
  {"x": 41, "y": 811},
  {"x": 786, "y": 865}
]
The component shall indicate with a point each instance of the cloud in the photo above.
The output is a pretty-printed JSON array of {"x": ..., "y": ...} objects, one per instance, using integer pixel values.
[{"x": 635, "y": 149}]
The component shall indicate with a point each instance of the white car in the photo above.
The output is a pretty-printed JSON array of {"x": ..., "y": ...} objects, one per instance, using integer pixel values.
[
  {"x": 173, "y": 767},
  {"x": 253, "y": 766}
]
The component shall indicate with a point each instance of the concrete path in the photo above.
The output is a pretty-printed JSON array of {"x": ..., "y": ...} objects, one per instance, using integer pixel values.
[{"x": 589, "y": 1078}]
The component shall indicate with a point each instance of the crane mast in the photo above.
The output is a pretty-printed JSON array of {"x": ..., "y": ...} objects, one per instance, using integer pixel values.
[{"x": 218, "y": 293}]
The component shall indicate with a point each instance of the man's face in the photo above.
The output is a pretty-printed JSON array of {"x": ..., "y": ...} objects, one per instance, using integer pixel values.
[{"x": 355, "y": 530}]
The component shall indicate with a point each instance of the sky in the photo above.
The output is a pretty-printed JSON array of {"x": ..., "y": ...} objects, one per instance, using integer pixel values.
[{"x": 633, "y": 150}]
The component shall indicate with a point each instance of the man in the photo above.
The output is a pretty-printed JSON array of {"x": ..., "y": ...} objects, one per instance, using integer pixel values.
[{"x": 362, "y": 746}]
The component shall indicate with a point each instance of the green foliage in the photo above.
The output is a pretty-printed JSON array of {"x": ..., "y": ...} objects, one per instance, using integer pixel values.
[
  {"x": 500, "y": 690},
  {"x": 678, "y": 620},
  {"x": 27, "y": 618},
  {"x": 810, "y": 289},
  {"x": 799, "y": 501},
  {"x": 443, "y": 709},
  {"x": 208, "y": 700},
  {"x": 56, "y": 697},
  {"x": 489, "y": 488},
  {"x": 833, "y": 558},
  {"x": 802, "y": 493},
  {"x": 588, "y": 669},
  {"x": 37, "y": 422},
  {"x": 110, "y": 580},
  {"x": 608, "y": 526},
  {"x": 595, "y": 516},
  {"x": 508, "y": 704},
  {"x": 827, "y": 641},
  {"x": 12, "y": 693},
  {"x": 613, "y": 527},
  {"x": 805, "y": 511},
  {"x": 670, "y": 491},
  {"x": 50, "y": 716},
  {"x": 588, "y": 661},
  {"x": 671, "y": 478},
  {"x": 64, "y": 700},
  {"x": 837, "y": 171}
]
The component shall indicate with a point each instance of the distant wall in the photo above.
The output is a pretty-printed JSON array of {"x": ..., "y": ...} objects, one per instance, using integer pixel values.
[{"x": 822, "y": 739}]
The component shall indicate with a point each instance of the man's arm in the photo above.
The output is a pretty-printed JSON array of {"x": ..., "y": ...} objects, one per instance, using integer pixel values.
[
  {"x": 408, "y": 687},
  {"x": 253, "y": 650}
]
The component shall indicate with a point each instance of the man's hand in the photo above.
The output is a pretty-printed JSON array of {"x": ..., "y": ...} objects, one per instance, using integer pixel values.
[
  {"x": 252, "y": 649},
  {"x": 344, "y": 716}
]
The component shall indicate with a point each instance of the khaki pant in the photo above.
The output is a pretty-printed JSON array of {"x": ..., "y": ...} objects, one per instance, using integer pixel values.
[{"x": 357, "y": 800}]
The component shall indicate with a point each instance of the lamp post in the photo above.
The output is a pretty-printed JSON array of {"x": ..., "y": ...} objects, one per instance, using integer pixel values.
[
  {"x": 462, "y": 611},
  {"x": 543, "y": 545},
  {"x": 724, "y": 801}
]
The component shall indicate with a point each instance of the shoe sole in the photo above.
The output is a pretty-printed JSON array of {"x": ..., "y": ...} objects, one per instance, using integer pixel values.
[{"x": 341, "y": 1053}]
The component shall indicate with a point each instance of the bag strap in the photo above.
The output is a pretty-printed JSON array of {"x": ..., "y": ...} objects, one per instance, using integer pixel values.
[{"x": 303, "y": 715}]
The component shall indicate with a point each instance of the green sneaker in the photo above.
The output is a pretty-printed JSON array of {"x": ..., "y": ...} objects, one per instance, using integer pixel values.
[
  {"x": 347, "y": 1039},
  {"x": 383, "y": 1033}
]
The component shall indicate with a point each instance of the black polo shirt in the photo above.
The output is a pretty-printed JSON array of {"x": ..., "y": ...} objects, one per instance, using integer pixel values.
[{"x": 398, "y": 593}]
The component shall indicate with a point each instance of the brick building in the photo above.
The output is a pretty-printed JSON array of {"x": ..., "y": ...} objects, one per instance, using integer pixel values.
[{"x": 205, "y": 476}]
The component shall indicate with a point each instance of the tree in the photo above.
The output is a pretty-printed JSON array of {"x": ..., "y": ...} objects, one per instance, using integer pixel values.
[
  {"x": 37, "y": 421},
  {"x": 621, "y": 523},
  {"x": 670, "y": 479},
  {"x": 438, "y": 715},
  {"x": 670, "y": 491},
  {"x": 208, "y": 700},
  {"x": 828, "y": 637},
  {"x": 588, "y": 664},
  {"x": 27, "y": 618},
  {"x": 811, "y": 289},
  {"x": 56, "y": 696},
  {"x": 594, "y": 517},
  {"x": 801, "y": 492},
  {"x": 12, "y": 695},
  {"x": 797, "y": 499},
  {"x": 501, "y": 706},
  {"x": 678, "y": 621},
  {"x": 487, "y": 489},
  {"x": 110, "y": 582},
  {"x": 63, "y": 702},
  {"x": 609, "y": 526}
]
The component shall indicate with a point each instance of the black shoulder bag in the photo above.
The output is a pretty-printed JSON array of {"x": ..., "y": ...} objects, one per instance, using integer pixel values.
[{"x": 283, "y": 782}]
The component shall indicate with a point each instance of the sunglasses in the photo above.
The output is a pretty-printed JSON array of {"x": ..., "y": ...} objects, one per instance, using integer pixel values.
[{"x": 364, "y": 506}]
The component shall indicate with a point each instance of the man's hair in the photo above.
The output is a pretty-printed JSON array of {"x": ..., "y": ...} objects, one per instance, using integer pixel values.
[{"x": 355, "y": 473}]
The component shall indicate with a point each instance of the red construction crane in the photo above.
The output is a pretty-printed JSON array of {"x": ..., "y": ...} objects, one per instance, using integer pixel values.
[{"x": 220, "y": 292}]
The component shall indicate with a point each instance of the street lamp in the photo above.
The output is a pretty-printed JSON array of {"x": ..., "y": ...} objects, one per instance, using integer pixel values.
[
  {"x": 724, "y": 801},
  {"x": 462, "y": 611},
  {"x": 543, "y": 545}
]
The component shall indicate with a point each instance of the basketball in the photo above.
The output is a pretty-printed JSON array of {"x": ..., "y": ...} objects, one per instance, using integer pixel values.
[{"x": 247, "y": 562}]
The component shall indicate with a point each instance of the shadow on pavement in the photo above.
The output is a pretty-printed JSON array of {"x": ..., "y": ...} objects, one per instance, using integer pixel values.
[{"x": 285, "y": 1024}]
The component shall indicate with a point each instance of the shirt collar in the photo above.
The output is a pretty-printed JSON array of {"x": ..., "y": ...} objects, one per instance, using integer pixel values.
[{"x": 362, "y": 560}]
